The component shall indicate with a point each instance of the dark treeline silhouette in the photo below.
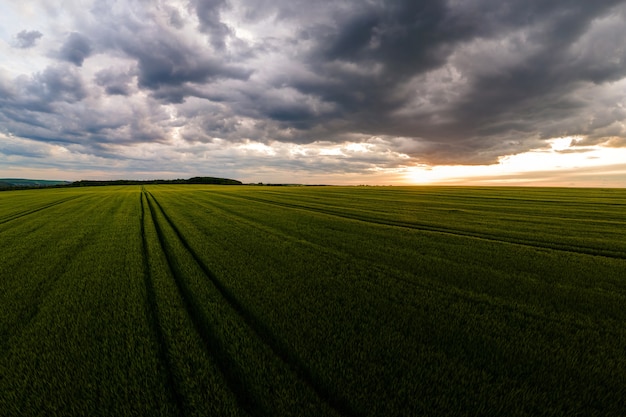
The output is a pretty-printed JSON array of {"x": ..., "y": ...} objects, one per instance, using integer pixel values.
[
  {"x": 24, "y": 184},
  {"x": 21, "y": 184},
  {"x": 9, "y": 187},
  {"x": 194, "y": 180}
]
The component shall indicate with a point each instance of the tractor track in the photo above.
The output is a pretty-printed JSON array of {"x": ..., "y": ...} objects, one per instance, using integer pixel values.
[
  {"x": 24, "y": 213},
  {"x": 448, "y": 231},
  {"x": 399, "y": 274},
  {"x": 261, "y": 331},
  {"x": 152, "y": 311}
]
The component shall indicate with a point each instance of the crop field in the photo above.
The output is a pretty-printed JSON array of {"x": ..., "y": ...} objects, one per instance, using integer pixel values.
[{"x": 195, "y": 300}]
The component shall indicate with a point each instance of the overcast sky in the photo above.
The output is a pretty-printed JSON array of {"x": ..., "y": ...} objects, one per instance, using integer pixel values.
[{"x": 315, "y": 91}]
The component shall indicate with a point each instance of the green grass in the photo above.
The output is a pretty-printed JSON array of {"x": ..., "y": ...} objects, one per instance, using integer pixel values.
[{"x": 341, "y": 301}]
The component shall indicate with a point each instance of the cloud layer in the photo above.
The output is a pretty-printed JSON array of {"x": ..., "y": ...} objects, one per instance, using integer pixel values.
[{"x": 412, "y": 83}]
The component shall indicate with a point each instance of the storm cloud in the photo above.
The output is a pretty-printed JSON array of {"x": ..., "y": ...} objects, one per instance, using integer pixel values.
[
  {"x": 27, "y": 38},
  {"x": 76, "y": 48},
  {"x": 415, "y": 83}
]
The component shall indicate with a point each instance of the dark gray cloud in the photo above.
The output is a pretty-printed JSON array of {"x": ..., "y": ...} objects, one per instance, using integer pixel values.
[
  {"x": 115, "y": 82},
  {"x": 402, "y": 40},
  {"x": 58, "y": 106},
  {"x": 175, "y": 19},
  {"x": 444, "y": 82},
  {"x": 167, "y": 63},
  {"x": 43, "y": 90},
  {"x": 76, "y": 49},
  {"x": 209, "y": 15},
  {"x": 541, "y": 83},
  {"x": 27, "y": 38},
  {"x": 405, "y": 37}
]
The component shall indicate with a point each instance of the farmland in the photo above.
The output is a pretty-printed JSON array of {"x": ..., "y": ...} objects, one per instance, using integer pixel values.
[{"x": 194, "y": 300}]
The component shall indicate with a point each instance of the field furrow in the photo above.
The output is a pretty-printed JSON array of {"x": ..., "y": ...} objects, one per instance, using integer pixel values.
[
  {"x": 152, "y": 311},
  {"x": 450, "y": 231},
  {"x": 15, "y": 216},
  {"x": 213, "y": 344},
  {"x": 195, "y": 377},
  {"x": 263, "y": 332},
  {"x": 391, "y": 271},
  {"x": 283, "y": 368}
]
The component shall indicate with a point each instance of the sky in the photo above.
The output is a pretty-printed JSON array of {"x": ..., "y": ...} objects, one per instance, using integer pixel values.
[{"x": 484, "y": 92}]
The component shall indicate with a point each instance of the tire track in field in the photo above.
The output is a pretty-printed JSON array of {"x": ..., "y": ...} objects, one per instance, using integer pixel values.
[
  {"x": 228, "y": 368},
  {"x": 432, "y": 288},
  {"x": 16, "y": 216},
  {"x": 258, "y": 328},
  {"x": 453, "y": 205},
  {"x": 451, "y": 293},
  {"x": 153, "y": 315},
  {"x": 41, "y": 291},
  {"x": 425, "y": 284},
  {"x": 47, "y": 283},
  {"x": 448, "y": 231}
]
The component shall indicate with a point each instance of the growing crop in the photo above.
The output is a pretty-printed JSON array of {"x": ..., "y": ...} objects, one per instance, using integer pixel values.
[{"x": 168, "y": 300}]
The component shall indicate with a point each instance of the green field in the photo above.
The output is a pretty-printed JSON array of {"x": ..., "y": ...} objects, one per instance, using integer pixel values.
[{"x": 170, "y": 300}]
